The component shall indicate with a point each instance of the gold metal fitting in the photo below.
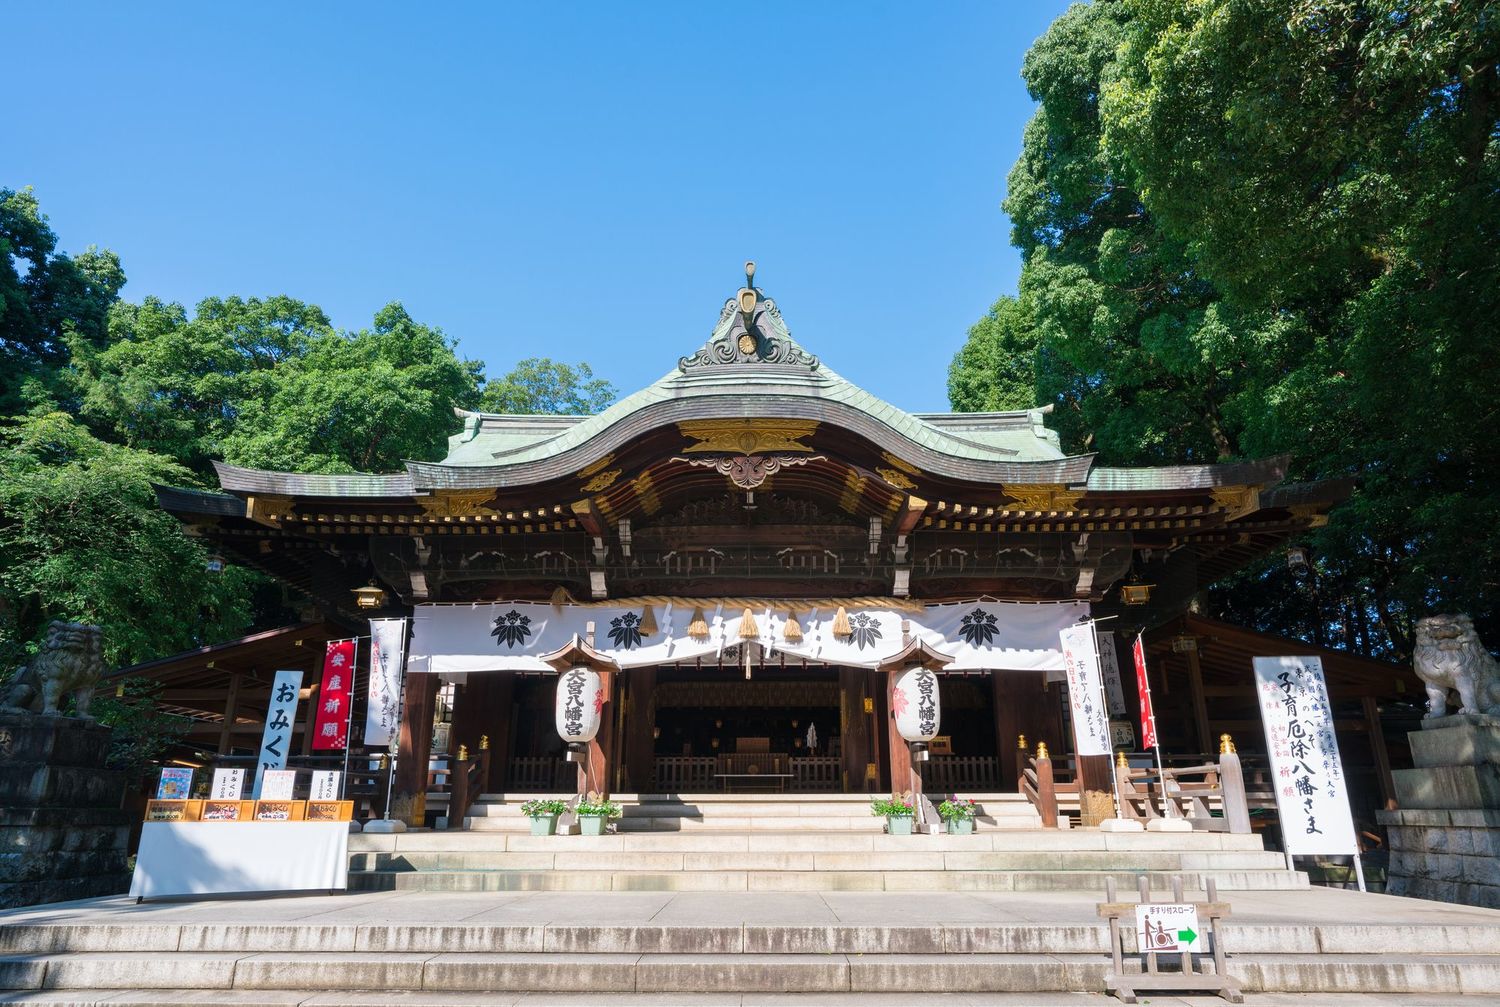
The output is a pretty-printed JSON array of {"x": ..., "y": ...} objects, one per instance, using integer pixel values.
[
  {"x": 1226, "y": 744},
  {"x": 484, "y": 742},
  {"x": 1121, "y": 761},
  {"x": 463, "y": 753},
  {"x": 1041, "y": 750},
  {"x": 1021, "y": 742}
]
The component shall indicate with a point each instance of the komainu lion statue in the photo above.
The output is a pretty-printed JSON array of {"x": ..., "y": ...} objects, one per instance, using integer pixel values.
[
  {"x": 71, "y": 660},
  {"x": 1449, "y": 655}
]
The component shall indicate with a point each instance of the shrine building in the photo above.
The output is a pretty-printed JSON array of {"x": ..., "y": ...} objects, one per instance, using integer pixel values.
[{"x": 746, "y": 547}]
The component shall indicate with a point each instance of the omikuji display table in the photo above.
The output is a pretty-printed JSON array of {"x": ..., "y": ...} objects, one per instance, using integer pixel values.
[{"x": 220, "y": 858}]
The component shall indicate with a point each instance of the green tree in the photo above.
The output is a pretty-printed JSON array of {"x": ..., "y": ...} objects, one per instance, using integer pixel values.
[
  {"x": 538, "y": 385},
  {"x": 364, "y": 401},
  {"x": 995, "y": 370},
  {"x": 82, "y": 539},
  {"x": 48, "y": 300}
]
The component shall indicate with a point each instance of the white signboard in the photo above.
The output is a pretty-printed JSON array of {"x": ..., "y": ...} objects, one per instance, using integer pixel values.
[
  {"x": 228, "y": 785},
  {"x": 278, "y": 784},
  {"x": 277, "y": 739},
  {"x": 1167, "y": 926},
  {"x": 325, "y": 785},
  {"x": 1109, "y": 665},
  {"x": 1304, "y": 755},
  {"x": 1090, "y": 718},
  {"x": 382, "y": 712}
]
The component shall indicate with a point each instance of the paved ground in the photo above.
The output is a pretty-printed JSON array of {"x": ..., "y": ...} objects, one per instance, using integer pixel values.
[{"x": 1311, "y": 907}]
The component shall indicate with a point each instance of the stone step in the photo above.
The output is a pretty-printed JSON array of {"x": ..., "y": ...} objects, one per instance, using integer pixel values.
[
  {"x": 835, "y": 972},
  {"x": 806, "y": 840},
  {"x": 560, "y": 858},
  {"x": 864, "y": 823},
  {"x": 864, "y": 880}
]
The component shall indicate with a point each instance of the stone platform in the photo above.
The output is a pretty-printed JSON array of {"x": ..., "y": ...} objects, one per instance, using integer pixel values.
[{"x": 430, "y": 948}]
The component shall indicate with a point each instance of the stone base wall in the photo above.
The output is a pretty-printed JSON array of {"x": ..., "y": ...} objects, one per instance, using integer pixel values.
[
  {"x": 1447, "y": 856},
  {"x": 63, "y": 834}
]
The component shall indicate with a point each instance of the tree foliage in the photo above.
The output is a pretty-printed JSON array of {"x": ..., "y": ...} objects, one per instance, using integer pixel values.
[
  {"x": 538, "y": 385},
  {"x": 996, "y": 368},
  {"x": 1261, "y": 229}
]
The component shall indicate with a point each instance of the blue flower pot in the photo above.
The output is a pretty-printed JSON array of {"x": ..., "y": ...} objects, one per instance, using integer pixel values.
[
  {"x": 960, "y": 826},
  {"x": 591, "y": 825},
  {"x": 898, "y": 825},
  {"x": 543, "y": 825}
]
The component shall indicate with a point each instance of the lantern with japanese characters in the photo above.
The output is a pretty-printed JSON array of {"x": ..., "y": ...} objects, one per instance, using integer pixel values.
[
  {"x": 915, "y": 703},
  {"x": 580, "y": 698}
]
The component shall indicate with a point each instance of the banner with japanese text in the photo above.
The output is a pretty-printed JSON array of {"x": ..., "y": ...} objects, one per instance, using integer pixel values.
[
  {"x": 331, "y": 721},
  {"x": 1109, "y": 666},
  {"x": 1143, "y": 690},
  {"x": 383, "y": 705},
  {"x": 1085, "y": 690},
  {"x": 276, "y": 741},
  {"x": 1304, "y": 756}
]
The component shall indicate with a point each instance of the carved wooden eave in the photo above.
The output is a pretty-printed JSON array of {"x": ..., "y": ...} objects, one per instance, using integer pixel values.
[
  {"x": 1040, "y": 498},
  {"x": 578, "y": 651},
  {"x": 747, "y": 436},
  {"x": 269, "y": 509},
  {"x": 916, "y": 654}
]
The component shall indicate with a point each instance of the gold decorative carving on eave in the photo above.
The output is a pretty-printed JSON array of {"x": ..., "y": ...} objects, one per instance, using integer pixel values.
[
  {"x": 896, "y": 478},
  {"x": 589, "y": 470},
  {"x": 458, "y": 503},
  {"x": 746, "y": 437},
  {"x": 1040, "y": 497},
  {"x": 1236, "y": 501},
  {"x": 902, "y": 464},
  {"x": 1311, "y": 513},
  {"x": 602, "y": 481},
  {"x": 269, "y": 509},
  {"x": 645, "y": 492}
]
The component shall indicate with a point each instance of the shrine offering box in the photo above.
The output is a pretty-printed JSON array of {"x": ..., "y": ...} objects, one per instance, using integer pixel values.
[
  {"x": 279, "y": 811},
  {"x": 330, "y": 811},
  {"x": 173, "y": 811},
  {"x": 227, "y": 811}
]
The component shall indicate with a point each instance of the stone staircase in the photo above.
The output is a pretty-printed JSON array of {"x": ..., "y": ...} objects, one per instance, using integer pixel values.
[{"x": 785, "y": 843}]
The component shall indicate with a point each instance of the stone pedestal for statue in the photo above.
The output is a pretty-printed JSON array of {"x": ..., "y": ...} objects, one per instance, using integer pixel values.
[
  {"x": 63, "y": 834},
  {"x": 1445, "y": 840}
]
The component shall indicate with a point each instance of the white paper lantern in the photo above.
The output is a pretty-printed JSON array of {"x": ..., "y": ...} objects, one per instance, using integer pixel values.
[
  {"x": 580, "y": 696},
  {"x": 915, "y": 701}
]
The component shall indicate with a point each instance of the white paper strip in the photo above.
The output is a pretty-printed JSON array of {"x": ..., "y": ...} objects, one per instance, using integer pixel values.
[{"x": 1304, "y": 754}]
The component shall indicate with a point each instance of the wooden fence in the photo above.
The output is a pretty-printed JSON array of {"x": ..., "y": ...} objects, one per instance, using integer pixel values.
[
  {"x": 949, "y": 774},
  {"x": 547, "y": 774}
]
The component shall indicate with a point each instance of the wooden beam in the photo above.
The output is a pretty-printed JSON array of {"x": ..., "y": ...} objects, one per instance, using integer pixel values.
[
  {"x": 231, "y": 707},
  {"x": 1379, "y": 751},
  {"x": 1200, "y": 708}
]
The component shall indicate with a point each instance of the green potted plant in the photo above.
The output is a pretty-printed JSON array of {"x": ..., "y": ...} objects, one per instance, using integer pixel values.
[
  {"x": 593, "y": 811},
  {"x": 958, "y": 815},
  {"x": 898, "y": 813},
  {"x": 543, "y": 815}
]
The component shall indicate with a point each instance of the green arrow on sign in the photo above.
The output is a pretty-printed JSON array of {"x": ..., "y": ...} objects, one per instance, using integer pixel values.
[{"x": 1186, "y": 936}]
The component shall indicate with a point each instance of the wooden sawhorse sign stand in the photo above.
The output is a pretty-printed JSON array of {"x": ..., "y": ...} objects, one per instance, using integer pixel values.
[{"x": 1155, "y": 920}]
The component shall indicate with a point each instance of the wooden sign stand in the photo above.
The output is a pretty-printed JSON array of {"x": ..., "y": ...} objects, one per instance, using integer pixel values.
[{"x": 1125, "y": 985}]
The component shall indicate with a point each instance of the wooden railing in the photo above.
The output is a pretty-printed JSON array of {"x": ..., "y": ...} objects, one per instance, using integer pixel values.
[
  {"x": 817, "y": 772},
  {"x": 467, "y": 779},
  {"x": 948, "y": 774},
  {"x": 677, "y": 774},
  {"x": 1039, "y": 787},
  {"x": 544, "y": 773}
]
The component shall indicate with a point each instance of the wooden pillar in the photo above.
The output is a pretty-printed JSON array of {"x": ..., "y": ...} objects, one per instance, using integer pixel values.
[
  {"x": 309, "y": 717},
  {"x": 854, "y": 728},
  {"x": 409, "y": 801},
  {"x": 231, "y": 709},
  {"x": 640, "y": 719},
  {"x": 1378, "y": 750},
  {"x": 1004, "y": 689},
  {"x": 1200, "y": 707},
  {"x": 501, "y": 716},
  {"x": 593, "y": 772},
  {"x": 900, "y": 755}
]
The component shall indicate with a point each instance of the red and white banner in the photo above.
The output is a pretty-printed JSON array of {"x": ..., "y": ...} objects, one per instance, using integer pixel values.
[
  {"x": 1143, "y": 689},
  {"x": 331, "y": 725}
]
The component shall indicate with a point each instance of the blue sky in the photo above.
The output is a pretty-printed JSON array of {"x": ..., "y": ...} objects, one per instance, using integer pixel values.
[{"x": 582, "y": 181}]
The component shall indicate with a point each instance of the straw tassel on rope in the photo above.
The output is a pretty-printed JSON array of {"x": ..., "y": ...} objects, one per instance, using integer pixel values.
[
  {"x": 648, "y": 622},
  {"x": 841, "y": 625},
  {"x": 561, "y": 597},
  {"x": 791, "y": 632},
  {"x": 748, "y": 629},
  {"x": 698, "y": 626}
]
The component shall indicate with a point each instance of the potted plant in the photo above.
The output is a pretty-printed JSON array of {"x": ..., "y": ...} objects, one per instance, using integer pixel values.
[
  {"x": 593, "y": 811},
  {"x": 898, "y": 813},
  {"x": 543, "y": 815},
  {"x": 958, "y": 815}
]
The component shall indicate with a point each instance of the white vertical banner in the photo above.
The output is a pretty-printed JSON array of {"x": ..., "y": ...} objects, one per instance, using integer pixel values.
[
  {"x": 276, "y": 741},
  {"x": 1304, "y": 754},
  {"x": 1090, "y": 718},
  {"x": 383, "y": 706},
  {"x": 1109, "y": 664}
]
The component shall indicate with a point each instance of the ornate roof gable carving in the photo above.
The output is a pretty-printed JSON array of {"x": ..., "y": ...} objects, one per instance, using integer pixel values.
[{"x": 764, "y": 341}]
